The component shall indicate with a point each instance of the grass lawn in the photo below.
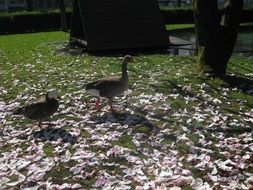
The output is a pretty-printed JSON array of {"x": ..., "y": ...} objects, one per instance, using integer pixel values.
[
  {"x": 179, "y": 26},
  {"x": 189, "y": 26},
  {"x": 177, "y": 129}
]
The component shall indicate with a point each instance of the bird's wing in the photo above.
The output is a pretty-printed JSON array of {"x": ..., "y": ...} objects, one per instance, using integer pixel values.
[
  {"x": 34, "y": 108},
  {"x": 104, "y": 83}
]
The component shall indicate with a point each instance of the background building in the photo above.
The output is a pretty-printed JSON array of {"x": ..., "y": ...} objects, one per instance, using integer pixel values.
[
  {"x": 188, "y": 3},
  {"x": 8, "y": 5},
  {"x": 175, "y": 3}
]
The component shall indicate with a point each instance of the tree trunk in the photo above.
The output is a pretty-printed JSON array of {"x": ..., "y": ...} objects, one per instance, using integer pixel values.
[
  {"x": 29, "y": 5},
  {"x": 179, "y": 3},
  {"x": 7, "y": 5},
  {"x": 216, "y": 36},
  {"x": 63, "y": 16}
]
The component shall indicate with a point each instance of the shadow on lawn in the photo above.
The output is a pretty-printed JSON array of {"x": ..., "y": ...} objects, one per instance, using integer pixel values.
[
  {"x": 169, "y": 84},
  {"x": 231, "y": 130},
  {"x": 77, "y": 49},
  {"x": 52, "y": 134},
  {"x": 125, "y": 118},
  {"x": 242, "y": 83}
]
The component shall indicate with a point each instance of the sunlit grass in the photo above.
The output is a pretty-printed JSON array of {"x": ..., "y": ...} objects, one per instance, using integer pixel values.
[{"x": 32, "y": 63}]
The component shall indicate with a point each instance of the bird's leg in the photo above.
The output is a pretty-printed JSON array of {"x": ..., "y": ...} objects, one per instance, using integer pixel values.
[
  {"x": 97, "y": 104},
  {"x": 50, "y": 123},
  {"x": 40, "y": 124},
  {"x": 111, "y": 107},
  {"x": 127, "y": 100},
  {"x": 110, "y": 104}
]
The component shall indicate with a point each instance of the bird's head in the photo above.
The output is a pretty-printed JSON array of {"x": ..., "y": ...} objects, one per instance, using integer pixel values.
[
  {"x": 128, "y": 59},
  {"x": 53, "y": 94}
]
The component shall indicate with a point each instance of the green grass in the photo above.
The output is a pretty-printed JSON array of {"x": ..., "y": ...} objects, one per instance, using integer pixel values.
[
  {"x": 192, "y": 26},
  {"x": 49, "y": 150},
  {"x": 126, "y": 141},
  {"x": 59, "y": 174},
  {"x": 179, "y": 26},
  {"x": 32, "y": 63}
]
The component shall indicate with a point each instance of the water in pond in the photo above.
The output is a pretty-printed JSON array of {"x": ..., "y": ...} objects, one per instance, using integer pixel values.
[{"x": 244, "y": 43}]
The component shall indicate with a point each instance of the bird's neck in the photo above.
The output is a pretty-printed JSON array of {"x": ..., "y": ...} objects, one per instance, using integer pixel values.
[
  {"x": 52, "y": 101},
  {"x": 124, "y": 71}
]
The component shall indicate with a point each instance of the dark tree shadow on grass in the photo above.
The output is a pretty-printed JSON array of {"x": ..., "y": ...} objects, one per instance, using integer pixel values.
[
  {"x": 244, "y": 68},
  {"x": 238, "y": 113},
  {"x": 242, "y": 83},
  {"x": 77, "y": 49},
  {"x": 168, "y": 84},
  {"x": 52, "y": 134},
  {"x": 234, "y": 130}
]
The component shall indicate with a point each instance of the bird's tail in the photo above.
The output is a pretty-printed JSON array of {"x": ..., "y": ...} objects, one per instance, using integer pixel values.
[{"x": 19, "y": 111}]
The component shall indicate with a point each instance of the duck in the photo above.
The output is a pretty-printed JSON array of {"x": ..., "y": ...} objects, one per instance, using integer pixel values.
[
  {"x": 111, "y": 86},
  {"x": 41, "y": 109}
]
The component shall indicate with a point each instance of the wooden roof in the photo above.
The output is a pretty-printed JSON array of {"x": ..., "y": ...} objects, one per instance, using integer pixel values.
[{"x": 119, "y": 24}]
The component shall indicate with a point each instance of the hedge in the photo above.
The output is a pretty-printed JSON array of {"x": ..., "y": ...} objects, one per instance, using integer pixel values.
[
  {"x": 178, "y": 16},
  {"x": 48, "y": 21},
  {"x": 186, "y": 16},
  {"x": 31, "y": 22}
]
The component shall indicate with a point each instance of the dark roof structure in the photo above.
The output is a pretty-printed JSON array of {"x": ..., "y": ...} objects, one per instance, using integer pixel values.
[{"x": 118, "y": 24}]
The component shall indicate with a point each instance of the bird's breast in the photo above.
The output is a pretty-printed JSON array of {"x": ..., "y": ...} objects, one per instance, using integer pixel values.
[{"x": 93, "y": 92}]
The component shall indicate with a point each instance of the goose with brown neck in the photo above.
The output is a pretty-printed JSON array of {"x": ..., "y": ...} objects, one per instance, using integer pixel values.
[
  {"x": 111, "y": 86},
  {"x": 41, "y": 109}
]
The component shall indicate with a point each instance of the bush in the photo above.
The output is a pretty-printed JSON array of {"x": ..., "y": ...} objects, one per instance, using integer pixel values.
[
  {"x": 247, "y": 15},
  {"x": 30, "y": 22},
  {"x": 186, "y": 16},
  {"x": 22, "y": 22},
  {"x": 178, "y": 16}
]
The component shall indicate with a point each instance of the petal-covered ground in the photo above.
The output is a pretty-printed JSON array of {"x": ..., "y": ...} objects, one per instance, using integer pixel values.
[{"x": 176, "y": 130}]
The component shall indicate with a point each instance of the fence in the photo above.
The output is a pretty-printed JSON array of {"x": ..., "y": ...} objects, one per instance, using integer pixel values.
[{"x": 175, "y": 3}]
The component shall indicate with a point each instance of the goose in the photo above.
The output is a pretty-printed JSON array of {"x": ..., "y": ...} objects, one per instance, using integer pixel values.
[
  {"x": 40, "y": 109},
  {"x": 111, "y": 86}
]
